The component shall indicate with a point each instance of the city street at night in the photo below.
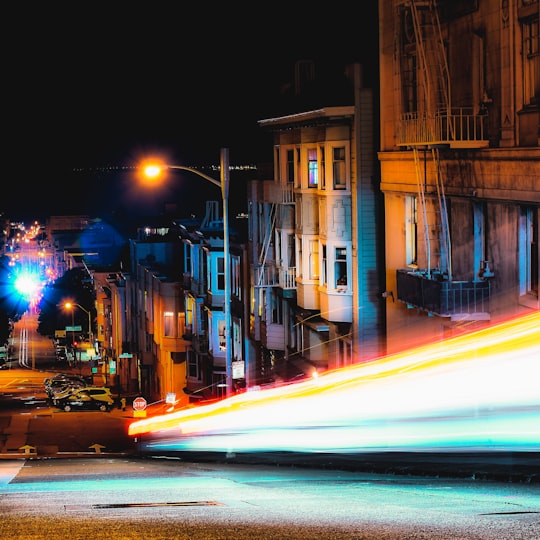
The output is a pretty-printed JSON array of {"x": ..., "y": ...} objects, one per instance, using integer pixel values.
[{"x": 84, "y": 478}]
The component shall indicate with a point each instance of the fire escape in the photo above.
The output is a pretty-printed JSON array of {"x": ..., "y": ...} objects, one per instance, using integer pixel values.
[
  {"x": 430, "y": 122},
  {"x": 271, "y": 270},
  {"x": 268, "y": 272}
]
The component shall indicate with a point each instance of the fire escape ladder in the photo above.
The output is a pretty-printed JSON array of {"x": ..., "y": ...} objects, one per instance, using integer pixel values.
[
  {"x": 445, "y": 240},
  {"x": 436, "y": 230},
  {"x": 270, "y": 228},
  {"x": 432, "y": 65},
  {"x": 421, "y": 184},
  {"x": 440, "y": 61}
]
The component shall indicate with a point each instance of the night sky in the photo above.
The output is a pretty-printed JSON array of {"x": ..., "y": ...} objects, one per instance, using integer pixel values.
[{"x": 89, "y": 90}]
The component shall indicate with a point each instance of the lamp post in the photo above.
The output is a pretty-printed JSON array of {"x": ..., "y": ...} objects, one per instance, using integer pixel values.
[
  {"x": 223, "y": 183},
  {"x": 69, "y": 305}
]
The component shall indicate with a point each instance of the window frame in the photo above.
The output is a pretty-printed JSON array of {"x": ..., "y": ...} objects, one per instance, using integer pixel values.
[{"x": 340, "y": 168}]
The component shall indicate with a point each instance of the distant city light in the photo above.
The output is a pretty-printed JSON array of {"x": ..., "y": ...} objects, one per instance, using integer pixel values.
[{"x": 27, "y": 285}]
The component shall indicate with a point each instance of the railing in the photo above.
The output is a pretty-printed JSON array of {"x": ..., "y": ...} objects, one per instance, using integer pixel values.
[
  {"x": 269, "y": 275},
  {"x": 287, "y": 277},
  {"x": 457, "y": 127},
  {"x": 444, "y": 298},
  {"x": 265, "y": 275},
  {"x": 281, "y": 194}
]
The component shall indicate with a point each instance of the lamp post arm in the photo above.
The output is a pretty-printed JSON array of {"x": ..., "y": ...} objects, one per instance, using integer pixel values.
[
  {"x": 89, "y": 318},
  {"x": 199, "y": 173}
]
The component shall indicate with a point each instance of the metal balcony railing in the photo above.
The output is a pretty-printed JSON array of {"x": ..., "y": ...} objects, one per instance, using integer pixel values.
[
  {"x": 270, "y": 275},
  {"x": 265, "y": 275},
  {"x": 457, "y": 128},
  {"x": 455, "y": 299}
]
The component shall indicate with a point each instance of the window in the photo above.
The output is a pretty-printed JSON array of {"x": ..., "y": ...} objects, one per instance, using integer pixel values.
[
  {"x": 313, "y": 259},
  {"x": 338, "y": 168},
  {"x": 291, "y": 255},
  {"x": 324, "y": 270},
  {"x": 340, "y": 267},
  {"x": 168, "y": 324},
  {"x": 276, "y": 309},
  {"x": 322, "y": 170},
  {"x": 221, "y": 273},
  {"x": 236, "y": 340},
  {"x": 313, "y": 168},
  {"x": 188, "y": 269},
  {"x": 411, "y": 231},
  {"x": 298, "y": 180},
  {"x": 221, "y": 335},
  {"x": 479, "y": 237},
  {"x": 290, "y": 166},
  {"x": 531, "y": 61},
  {"x": 299, "y": 258},
  {"x": 192, "y": 366},
  {"x": 528, "y": 253},
  {"x": 236, "y": 281}
]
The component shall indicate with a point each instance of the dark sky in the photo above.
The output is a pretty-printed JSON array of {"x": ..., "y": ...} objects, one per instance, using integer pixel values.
[{"x": 90, "y": 87}]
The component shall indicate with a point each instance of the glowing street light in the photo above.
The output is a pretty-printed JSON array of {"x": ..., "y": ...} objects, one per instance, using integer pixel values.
[
  {"x": 152, "y": 171},
  {"x": 70, "y": 306}
]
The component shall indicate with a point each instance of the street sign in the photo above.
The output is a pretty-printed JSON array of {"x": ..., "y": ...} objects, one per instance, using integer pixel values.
[
  {"x": 125, "y": 355},
  {"x": 73, "y": 328},
  {"x": 139, "y": 404}
]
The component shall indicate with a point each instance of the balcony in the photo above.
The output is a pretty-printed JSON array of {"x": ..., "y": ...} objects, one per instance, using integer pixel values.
[
  {"x": 270, "y": 275},
  {"x": 457, "y": 128},
  {"x": 265, "y": 275},
  {"x": 458, "y": 300}
]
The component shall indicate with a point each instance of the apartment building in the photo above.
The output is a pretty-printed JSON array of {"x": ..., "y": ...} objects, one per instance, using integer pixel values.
[
  {"x": 460, "y": 163},
  {"x": 317, "y": 275},
  {"x": 206, "y": 326}
]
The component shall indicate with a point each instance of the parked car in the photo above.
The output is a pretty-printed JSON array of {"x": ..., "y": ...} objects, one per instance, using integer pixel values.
[
  {"x": 88, "y": 398},
  {"x": 58, "y": 392},
  {"x": 61, "y": 381}
]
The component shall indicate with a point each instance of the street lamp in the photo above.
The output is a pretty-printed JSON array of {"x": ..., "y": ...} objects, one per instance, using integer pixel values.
[
  {"x": 223, "y": 182},
  {"x": 70, "y": 305}
]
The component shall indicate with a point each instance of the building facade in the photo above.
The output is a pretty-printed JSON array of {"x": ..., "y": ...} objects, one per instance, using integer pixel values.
[
  {"x": 317, "y": 274},
  {"x": 460, "y": 163}
]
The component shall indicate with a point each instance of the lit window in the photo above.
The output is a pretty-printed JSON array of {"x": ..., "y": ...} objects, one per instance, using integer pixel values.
[
  {"x": 322, "y": 168},
  {"x": 313, "y": 259},
  {"x": 411, "y": 232},
  {"x": 313, "y": 168},
  {"x": 168, "y": 323}
]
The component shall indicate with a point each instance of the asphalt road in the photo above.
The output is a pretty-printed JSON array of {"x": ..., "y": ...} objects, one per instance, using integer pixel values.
[{"x": 172, "y": 499}]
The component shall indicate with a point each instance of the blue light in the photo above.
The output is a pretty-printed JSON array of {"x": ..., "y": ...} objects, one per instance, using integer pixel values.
[{"x": 27, "y": 285}]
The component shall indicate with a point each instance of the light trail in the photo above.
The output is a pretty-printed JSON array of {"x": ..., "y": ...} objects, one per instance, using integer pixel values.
[{"x": 475, "y": 392}]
